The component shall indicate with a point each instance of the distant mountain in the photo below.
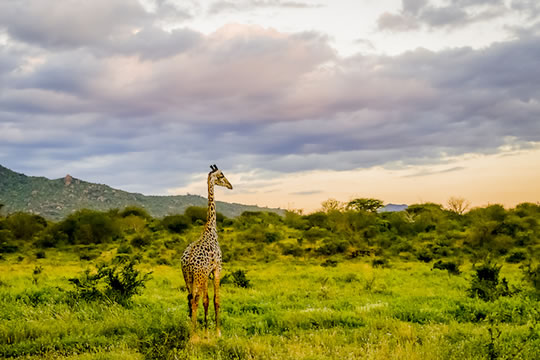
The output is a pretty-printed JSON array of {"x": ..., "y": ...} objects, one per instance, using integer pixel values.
[
  {"x": 54, "y": 199},
  {"x": 393, "y": 207}
]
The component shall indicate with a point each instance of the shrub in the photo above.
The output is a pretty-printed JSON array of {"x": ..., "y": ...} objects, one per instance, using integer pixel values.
[
  {"x": 292, "y": 249},
  {"x": 485, "y": 283},
  {"x": 140, "y": 241},
  {"x": 238, "y": 278},
  {"x": 135, "y": 211},
  {"x": 5, "y": 236},
  {"x": 116, "y": 283},
  {"x": 271, "y": 237},
  {"x": 315, "y": 233},
  {"x": 25, "y": 226},
  {"x": 88, "y": 255},
  {"x": 36, "y": 274},
  {"x": 452, "y": 267},
  {"x": 176, "y": 223},
  {"x": 424, "y": 255},
  {"x": 124, "y": 249},
  {"x": 515, "y": 257},
  {"x": 332, "y": 246},
  {"x": 197, "y": 215},
  {"x": 531, "y": 274},
  {"x": 380, "y": 262},
  {"x": 164, "y": 339},
  {"x": 40, "y": 254},
  {"x": 295, "y": 221},
  {"x": 6, "y": 248},
  {"x": 163, "y": 261},
  {"x": 329, "y": 263},
  {"x": 88, "y": 227}
]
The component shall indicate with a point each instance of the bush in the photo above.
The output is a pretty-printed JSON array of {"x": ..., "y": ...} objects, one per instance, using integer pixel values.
[
  {"x": 315, "y": 233},
  {"x": 238, "y": 278},
  {"x": 292, "y": 249},
  {"x": 6, "y": 248},
  {"x": 332, "y": 246},
  {"x": 24, "y": 226},
  {"x": 485, "y": 283},
  {"x": 197, "y": 215},
  {"x": 176, "y": 223},
  {"x": 424, "y": 255},
  {"x": 452, "y": 267},
  {"x": 531, "y": 274},
  {"x": 140, "y": 241},
  {"x": 5, "y": 236},
  {"x": 88, "y": 255},
  {"x": 271, "y": 237},
  {"x": 329, "y": 263},
  {"x": 124, "y": 249},
  {"x": 163, "y": 339},
  {"x": 116, "y": 283},
  {"x": 380, "y": 262},
  {"x": 163, "y": 261},
  {"x": 88, "y": 227},
  {"x": 135, "y": 211},
  {"x": 516, "y": 257}
]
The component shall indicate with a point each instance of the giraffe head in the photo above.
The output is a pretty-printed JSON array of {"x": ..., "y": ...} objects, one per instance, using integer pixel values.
[{"x": 218, "y": 178}]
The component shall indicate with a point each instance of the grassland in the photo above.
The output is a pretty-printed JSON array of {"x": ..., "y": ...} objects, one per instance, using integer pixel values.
[
  {"x": 425, "y": 283},
  {"x": 294, "y": 309}
]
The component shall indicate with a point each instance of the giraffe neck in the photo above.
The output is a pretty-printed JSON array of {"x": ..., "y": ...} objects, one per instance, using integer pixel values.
[{"x": 211, "y": 217}]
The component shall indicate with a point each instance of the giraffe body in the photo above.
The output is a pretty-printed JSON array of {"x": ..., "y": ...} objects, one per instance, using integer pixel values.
[{"x": 203, "y": 258}]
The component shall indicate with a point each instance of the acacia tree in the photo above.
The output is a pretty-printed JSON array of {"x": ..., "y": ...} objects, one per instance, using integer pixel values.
[
  {"x": 458, "y": 205},
  {"x": 365, "y": 204},
  {"x": 332, "y": 205}
]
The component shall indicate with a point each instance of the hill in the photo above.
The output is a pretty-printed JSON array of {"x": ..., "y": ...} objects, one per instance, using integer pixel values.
[
  {"x": 393, "y": 207},
  {"x": 54, "y": 199}
]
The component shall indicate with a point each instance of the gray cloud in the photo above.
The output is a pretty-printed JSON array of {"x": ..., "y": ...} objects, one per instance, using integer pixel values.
[
  {"x": 248, "y": 5},
  {"x": 531, "y": 8},
  {"x": 66, "y": 24},
  {"x": 103, "y": 27},
  {"x": 428, "y": 173},
  {"x": 455, "y": 13},
  {"x": 145, "y": 110},
  {"x": 307, "y": 193}
]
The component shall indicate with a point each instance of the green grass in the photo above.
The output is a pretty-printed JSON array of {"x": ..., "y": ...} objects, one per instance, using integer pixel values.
[{"x": 293, "y": 310}]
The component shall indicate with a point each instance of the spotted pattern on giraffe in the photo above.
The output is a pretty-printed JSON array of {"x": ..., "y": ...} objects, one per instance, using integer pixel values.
[{"x": 202, "y": 258}]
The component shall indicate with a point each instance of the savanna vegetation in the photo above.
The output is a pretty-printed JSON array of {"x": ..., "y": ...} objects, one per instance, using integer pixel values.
[{"x": 346, "y": 282}]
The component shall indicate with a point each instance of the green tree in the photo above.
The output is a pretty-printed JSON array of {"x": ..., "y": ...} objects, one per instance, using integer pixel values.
[
  {"x": 365, "y": 204},
  {"x": 89, "y": 227},
  {"x": 135, "y": 211},
  {"x": 197, "y": 214},
  {"x": 176, "y": 223},
  {"x": 24, "y": 226}
]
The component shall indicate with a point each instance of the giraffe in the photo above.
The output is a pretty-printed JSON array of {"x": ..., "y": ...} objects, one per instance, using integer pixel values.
[{"x": 203, "y": 257}]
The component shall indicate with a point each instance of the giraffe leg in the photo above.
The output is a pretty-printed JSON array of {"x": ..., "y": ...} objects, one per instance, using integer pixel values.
[
  {"x": 216, "y": 299},
  {"x": 189, "y": 297},
  {"x": 205, "y": 304},
  {"x": 194, "y": 306}
]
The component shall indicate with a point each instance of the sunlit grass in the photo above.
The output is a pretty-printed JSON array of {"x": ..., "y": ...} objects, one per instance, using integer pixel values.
[{"x": 294, "y": 310}]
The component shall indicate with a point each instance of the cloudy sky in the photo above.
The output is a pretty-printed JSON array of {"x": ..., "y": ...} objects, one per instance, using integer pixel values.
[{"x": 297, "y": 101}]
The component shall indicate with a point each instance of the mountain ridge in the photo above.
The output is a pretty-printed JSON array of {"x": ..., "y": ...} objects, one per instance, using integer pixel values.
[{"x": 54, "y": 199}]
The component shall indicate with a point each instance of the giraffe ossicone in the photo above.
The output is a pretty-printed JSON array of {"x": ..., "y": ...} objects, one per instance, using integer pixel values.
[{"x": 203, "y": 257}]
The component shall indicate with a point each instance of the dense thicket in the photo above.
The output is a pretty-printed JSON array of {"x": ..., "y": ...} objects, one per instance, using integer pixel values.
[{"x": 424, "y": 232}]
